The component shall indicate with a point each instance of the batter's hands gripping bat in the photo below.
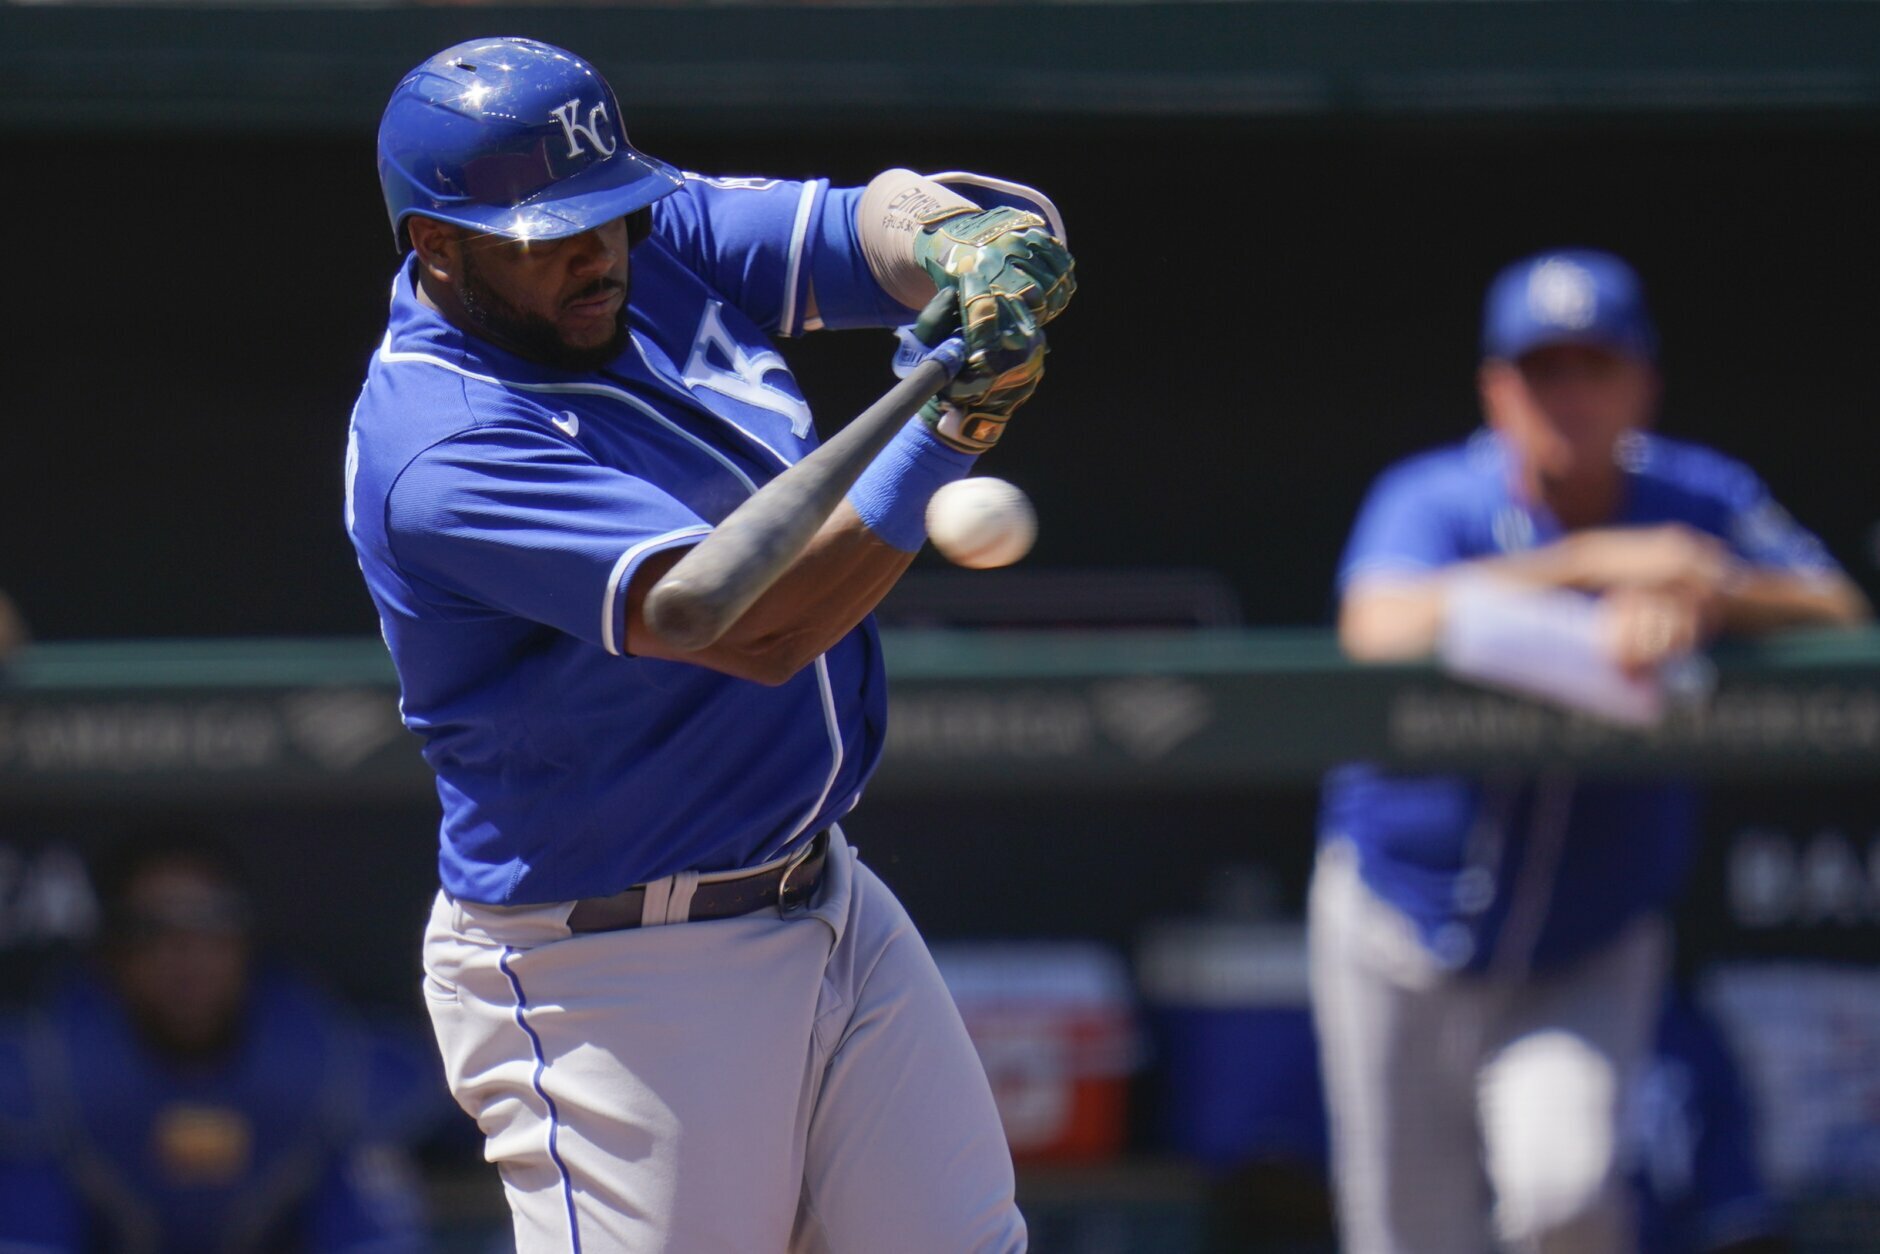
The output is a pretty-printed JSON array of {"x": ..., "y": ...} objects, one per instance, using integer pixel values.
[{"x": 709, "y": 588}]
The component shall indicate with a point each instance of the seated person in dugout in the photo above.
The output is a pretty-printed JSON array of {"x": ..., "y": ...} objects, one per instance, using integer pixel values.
[{"x": 182, "y": 1096}]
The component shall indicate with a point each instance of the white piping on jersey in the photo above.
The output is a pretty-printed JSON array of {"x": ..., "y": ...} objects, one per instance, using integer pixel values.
[
  {"x": 799, "y": 232},
  {"x": 827, "y": 690},
  {"x": 1521, "y": 930},
  {"x": 352, "y": 519},
  {"x": 598, "y": 389},
  {"x": 620, "y": 569},
  {"x": 577, "y": 389},
  {"x": 352, "y": 464}
]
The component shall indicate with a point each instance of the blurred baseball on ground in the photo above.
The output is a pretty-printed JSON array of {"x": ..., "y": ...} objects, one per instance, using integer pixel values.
[{"x": 981, "y": 523}]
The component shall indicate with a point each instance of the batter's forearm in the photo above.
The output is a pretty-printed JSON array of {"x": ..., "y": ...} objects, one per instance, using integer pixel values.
[{"x": 838, "y": 581}]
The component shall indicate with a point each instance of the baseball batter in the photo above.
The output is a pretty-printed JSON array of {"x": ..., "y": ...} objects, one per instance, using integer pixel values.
[
  {"x": 1487, "y": 953},
  {"x": 684, "y": 1015}
]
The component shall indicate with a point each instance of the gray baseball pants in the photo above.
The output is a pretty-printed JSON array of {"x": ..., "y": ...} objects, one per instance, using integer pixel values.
[
  {"x": 761, "y": 1083},
  {"x": 1471, "y": 1113}
]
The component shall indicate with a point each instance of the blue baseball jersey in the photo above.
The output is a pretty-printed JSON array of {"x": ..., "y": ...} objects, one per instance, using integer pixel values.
[
  {"x": 1506, "y": 871},
  {"x": 293, "y": 1139},
  {"x": 501, "y": 508}
]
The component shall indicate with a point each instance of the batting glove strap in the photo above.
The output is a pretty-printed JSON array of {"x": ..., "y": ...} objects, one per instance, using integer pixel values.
[
  {"x": 892, "y": 494},
  {"x": 910, "y": 351},
  {"x": 963, "y": 429}
]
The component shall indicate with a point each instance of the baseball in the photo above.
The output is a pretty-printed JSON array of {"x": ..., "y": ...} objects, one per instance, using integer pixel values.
[{"x": 981, "y": 523}]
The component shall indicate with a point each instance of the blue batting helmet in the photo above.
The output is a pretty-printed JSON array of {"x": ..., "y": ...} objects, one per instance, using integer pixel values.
[{"x": 512, "y": 137}]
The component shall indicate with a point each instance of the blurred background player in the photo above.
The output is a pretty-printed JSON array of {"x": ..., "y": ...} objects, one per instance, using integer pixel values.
[
  {"x": 1487, "y": 953},
  {"x": 183, "y": 1097}
]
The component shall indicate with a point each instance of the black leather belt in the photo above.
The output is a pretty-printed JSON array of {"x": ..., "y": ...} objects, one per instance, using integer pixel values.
[{"x": 786, "y": 886}]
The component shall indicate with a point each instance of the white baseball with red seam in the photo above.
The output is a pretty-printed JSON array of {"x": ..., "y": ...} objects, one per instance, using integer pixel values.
[{"x": 981, "y": 522}]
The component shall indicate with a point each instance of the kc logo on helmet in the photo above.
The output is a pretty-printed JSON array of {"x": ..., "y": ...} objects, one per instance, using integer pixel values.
[{"x": 574, "y": 129}]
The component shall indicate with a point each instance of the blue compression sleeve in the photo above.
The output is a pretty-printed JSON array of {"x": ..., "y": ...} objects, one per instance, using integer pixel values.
[{"x": 892, "y": 494}]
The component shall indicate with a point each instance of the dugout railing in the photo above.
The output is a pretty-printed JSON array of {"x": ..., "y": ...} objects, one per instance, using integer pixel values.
[{"x": 995, "y": 712}]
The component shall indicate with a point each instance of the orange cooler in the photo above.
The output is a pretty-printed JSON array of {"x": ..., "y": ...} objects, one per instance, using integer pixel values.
[{"x": 1054, "y": 1023}]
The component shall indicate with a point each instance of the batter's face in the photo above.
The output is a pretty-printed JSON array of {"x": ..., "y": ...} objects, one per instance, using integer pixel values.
[
  {"x": 1564, "y": 408},
  {"x": 561, "y": 302}
]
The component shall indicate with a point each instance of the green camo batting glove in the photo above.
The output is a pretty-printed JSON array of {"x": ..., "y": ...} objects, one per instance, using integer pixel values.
[
  {"x": 1013, "y": 277},
  {"x": 975, "y": 422}
]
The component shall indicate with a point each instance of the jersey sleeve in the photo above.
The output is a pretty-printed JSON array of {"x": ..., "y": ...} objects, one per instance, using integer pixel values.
[
  {"x": 765, "y": 244},
  {"x": 1403, "y": 529},
  {"x": 513, "y": 520}
]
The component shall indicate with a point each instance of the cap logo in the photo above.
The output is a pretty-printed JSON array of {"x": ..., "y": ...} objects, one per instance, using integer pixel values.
[
  {"x": 1562, "y": 294},
  {"x": 575, "y": 129}
]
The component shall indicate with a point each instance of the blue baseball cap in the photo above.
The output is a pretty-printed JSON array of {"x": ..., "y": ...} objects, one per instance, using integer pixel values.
[{"x": 1572, "y": 296}]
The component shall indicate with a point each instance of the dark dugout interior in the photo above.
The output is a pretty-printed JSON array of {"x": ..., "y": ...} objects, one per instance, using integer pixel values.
[{"x": 1269, "y": 313}]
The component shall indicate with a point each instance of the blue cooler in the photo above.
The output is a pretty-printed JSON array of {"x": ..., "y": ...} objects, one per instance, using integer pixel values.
[{"x": 1228, "y": 1009}]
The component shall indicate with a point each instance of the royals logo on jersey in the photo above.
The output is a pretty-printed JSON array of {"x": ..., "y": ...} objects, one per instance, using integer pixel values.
[{"x": 720, "y": 363}]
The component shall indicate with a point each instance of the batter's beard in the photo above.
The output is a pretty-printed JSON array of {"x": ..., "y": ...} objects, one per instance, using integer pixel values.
[{"x": 531, "y": 335}]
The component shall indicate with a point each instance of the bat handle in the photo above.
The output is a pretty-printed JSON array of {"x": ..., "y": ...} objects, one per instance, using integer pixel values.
[{"x": 716, "y": 581}]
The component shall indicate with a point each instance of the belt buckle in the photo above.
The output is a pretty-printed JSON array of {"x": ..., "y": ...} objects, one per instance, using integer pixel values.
[{"x": 785, "y": 907}]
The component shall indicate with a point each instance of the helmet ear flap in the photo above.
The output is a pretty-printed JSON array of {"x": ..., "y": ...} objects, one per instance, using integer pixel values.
[{"x": 639, "y": 226}]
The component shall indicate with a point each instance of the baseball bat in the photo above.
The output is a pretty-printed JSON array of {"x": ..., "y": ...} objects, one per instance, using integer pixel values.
[{"x": 709, "y": 588}]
